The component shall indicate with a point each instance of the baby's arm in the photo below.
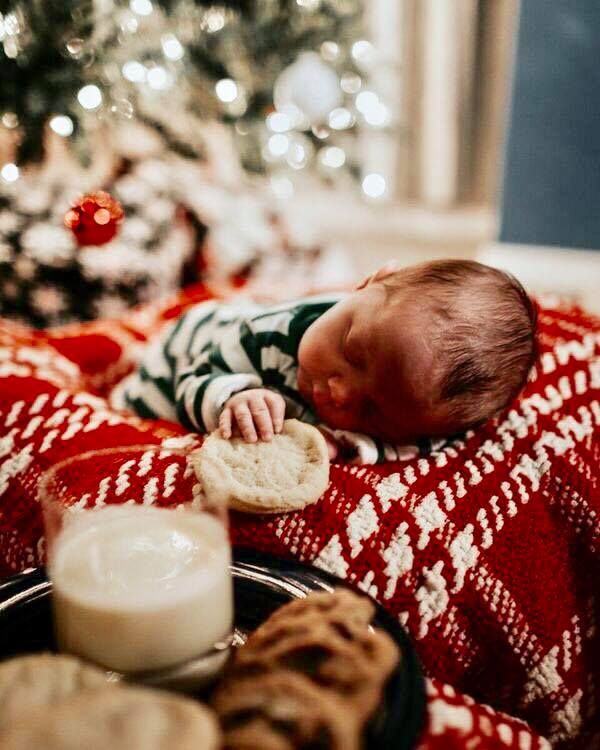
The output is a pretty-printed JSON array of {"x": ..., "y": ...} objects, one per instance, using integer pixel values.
[{"x": 202, "y": 391}]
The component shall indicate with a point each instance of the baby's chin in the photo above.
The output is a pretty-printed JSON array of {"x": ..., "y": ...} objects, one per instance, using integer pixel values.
[
  {"x": 335, "y": 418},
  {"x": 330, "y": 414}
]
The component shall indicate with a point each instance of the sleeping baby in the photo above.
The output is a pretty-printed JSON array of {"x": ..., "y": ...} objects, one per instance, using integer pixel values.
[{"x": 425, "y": 351}]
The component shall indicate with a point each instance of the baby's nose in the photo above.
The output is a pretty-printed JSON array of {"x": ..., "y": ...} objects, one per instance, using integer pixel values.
[{"x": 341, "y": 392}]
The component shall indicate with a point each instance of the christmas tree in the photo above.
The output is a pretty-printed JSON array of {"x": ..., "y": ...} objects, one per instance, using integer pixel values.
[
  {"x": 287, "y": 77},
  {"x": 285, "y": 80}
]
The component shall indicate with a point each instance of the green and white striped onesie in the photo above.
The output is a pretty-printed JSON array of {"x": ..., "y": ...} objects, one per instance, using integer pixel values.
[{"x": 217, "y": 349}]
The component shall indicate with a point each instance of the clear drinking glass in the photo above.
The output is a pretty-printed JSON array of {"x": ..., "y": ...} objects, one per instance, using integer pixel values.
[{"x": 139, "y": 562}]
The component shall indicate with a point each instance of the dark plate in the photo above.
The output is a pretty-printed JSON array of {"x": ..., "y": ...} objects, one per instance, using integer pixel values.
[{"x": 262, "y": 584}]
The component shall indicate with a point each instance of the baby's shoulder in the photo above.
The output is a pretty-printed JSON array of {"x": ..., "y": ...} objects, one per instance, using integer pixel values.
[
  {"x": 294, "y": 306},
  {"x": 221, "y": 311},
  {"x": 219, "y": 315}
]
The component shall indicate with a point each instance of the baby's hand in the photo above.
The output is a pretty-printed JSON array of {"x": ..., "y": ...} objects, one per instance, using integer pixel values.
[{"x": 254, "y": 411}]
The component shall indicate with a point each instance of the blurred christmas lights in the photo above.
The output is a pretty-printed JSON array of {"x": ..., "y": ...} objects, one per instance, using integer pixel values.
[
  {"x": 279, "y": 144},
  {"x": 62, "y": 125},
  {"x": 158, "y": 78},
  {"x": 299, "y": 152},
  {"x": 373, "y": 185},
  {"x": 141, "y": 7},
  {"x": 320, "y": 96},
  {"x": 214, "y": 20},
  {"x": 332, "y": 156},
  {"x": 123, "y": 108},
  {"x": 278, "y": 122},
  {"x": 10, "y": 120},
  {"x": 172, "y": 47},
  {"x": 134, "y": 71},
  {"x": 377, "y": 116},
  {"x": 366, "y": 100},
  {"x": 341, "y": 119},
  {"x": 227, "y": 90},
  {"x": 10, "y": 172},
  {"x": 90, "y": 96},
  {"x": 309, "y": 5},
  {"x": 362, "y": 51},
  {"x": 75, "y": 47},
  {"x": 129, "y": 23}
]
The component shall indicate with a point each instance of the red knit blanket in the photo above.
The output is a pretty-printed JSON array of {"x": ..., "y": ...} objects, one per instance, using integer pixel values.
[{"x": 486, "y": 549}]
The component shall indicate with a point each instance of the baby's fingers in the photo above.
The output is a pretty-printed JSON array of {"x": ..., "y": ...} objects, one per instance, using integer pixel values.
[
  {"x": 245, "y": 421},
  {"x": 262, "y": 418},
  {"x": 225, "y": 423},
  {"x": 276, "y": 406}
]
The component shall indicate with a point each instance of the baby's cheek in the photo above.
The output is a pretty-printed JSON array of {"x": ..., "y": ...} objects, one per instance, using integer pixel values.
[{"x": 342, "y": 419}]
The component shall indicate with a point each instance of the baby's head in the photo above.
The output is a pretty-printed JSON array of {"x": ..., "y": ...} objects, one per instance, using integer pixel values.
[{"x": 428, "y": 350}]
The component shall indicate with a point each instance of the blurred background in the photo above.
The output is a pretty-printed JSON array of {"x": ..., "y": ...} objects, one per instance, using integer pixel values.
[{"x": 275, "y": 146}]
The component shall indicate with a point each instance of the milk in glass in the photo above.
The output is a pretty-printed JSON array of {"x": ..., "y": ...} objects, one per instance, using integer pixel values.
[{"x": 138, "y": 588}]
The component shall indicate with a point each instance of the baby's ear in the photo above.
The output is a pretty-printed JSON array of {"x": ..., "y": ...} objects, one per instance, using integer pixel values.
[{"x": 389, "y": 268}]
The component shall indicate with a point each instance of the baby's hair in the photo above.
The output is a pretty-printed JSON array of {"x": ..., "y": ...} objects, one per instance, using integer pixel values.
[{"x": 484, "y": 333}]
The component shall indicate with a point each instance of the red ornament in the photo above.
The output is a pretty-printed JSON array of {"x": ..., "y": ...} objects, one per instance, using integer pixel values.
[{"x": 94, "y": 219}]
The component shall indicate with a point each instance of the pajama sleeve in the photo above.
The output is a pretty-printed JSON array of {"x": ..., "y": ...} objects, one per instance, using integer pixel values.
[
  {"x": 188, "y": 374},
  {"x": 215, "y": 351},
  {"x": 201, "y": 392},
  {"x": 204, "y": 385}
]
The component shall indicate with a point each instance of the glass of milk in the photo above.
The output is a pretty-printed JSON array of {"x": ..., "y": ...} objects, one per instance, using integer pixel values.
[{"x": 138, "y": 559}]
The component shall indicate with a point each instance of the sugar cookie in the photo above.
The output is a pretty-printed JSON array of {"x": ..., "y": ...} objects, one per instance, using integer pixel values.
[
  {"x": 42, "y": 681},
  {"x": 285, "y": 474},
  {"x": 121, "y": 718}
]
